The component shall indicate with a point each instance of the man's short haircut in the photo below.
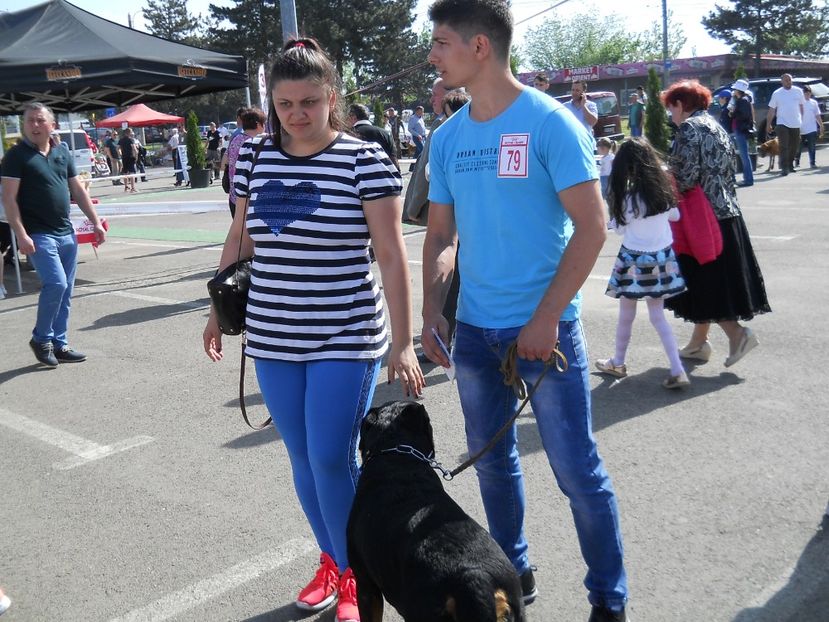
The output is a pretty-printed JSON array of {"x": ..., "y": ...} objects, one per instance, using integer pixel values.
[
  {"x": 38, "y": 107},
  {"x": 240, "y": 111},
  {"x": 455, "y": 99},
  {"x": 419, "y": 108},
  {"x": 359, "y": 111},
  {"x": 582, "y": 82},
  {"x": 542, "y": 77},
  {"x": 252, "y": 118},
  {"x": 806, "y": 88},
  {"x": 468, "y": 18}
]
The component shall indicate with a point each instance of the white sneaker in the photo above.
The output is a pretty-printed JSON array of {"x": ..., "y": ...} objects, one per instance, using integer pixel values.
[
  {"x": 5, "y": 603},
  {"x": 3, "y": 293}
]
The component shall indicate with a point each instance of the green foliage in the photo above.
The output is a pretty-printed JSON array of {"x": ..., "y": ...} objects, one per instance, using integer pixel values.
[
  {"x": 195, "y": 145},
  {"x": 656, "y": 117},
  {"x": 586, "y": 39},
  {"x": 515, "y": 59},
  {"x": 171, "y": 20},
  {"x": 379, "y": 118},
  {"x": 740, "y": 72},
  {"x": 754, "y": 27}
]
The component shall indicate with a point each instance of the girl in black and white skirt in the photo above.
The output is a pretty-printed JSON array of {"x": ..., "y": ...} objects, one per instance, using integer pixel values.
[{"x": 642, "y": 204}]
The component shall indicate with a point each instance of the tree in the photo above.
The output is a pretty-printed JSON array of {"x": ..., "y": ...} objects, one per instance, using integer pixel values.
[
  {"x": 656, "y": 118},
  {"x": 379, "y": 117},
  {"x": 585, "y": 40},
  {"x": 195, "y": 146},
  {"x": 755, "y": 27},
  {"x": 171, "y": 20}
]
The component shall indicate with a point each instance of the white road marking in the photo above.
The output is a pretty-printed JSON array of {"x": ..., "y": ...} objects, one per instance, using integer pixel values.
[
  {"x": 194, "y": 595},
  {"x": 84, "y": 450},
  {"x": 782, "y": 238}
]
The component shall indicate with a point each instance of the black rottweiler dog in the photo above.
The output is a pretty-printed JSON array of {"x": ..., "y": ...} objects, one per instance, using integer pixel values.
[{"x": 410, "y": 542}]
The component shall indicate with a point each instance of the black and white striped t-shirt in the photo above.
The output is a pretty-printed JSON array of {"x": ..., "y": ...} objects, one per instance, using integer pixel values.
[{"x": 312, "y": 293}]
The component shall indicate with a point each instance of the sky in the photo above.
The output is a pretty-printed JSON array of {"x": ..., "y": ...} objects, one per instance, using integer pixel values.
[{"x": 637, "y": 15}]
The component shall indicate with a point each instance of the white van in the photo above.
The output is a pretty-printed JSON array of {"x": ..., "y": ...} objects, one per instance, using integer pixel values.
[{"x": 84, "y": 158}]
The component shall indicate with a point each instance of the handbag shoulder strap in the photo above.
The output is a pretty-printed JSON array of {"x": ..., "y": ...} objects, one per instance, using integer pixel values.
[
  {"x": 256, "y": 152},
  {"x": 263, "y": 425}
]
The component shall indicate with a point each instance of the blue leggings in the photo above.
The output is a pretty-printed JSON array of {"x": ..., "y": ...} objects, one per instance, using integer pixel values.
[{"x": 317, "y": 408}]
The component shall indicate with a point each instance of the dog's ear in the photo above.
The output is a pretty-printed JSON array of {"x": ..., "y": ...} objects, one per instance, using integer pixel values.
[
  {"x": 416, "y": 419},
  {"x": 369, "y": 422}
]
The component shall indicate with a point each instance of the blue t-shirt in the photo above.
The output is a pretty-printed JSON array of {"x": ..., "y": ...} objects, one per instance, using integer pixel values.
[{"x": 503, "y": 177}]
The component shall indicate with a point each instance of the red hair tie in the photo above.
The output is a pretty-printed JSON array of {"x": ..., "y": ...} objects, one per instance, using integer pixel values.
[{"x": 299, "y": 44}]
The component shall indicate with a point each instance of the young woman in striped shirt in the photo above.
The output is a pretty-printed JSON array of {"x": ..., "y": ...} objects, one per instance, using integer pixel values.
[{"x": 309, "y": 203}]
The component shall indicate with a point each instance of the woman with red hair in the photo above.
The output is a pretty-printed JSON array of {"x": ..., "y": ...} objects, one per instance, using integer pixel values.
[{"x": 730, "y": 288}]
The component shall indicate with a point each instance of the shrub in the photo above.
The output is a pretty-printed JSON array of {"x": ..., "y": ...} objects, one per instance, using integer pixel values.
[
  {"x": 195, "y": 145},
  {"x": 656, "y": 117}
]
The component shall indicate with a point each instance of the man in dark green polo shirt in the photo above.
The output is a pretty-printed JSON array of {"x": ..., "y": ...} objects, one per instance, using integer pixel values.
[{"x": 37, "y": 180}]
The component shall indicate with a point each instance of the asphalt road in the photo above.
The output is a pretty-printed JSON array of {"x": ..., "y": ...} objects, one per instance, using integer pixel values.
[{"x": 131, "y": 489}]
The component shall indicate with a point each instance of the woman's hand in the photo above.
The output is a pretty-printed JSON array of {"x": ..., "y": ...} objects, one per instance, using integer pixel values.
[
  {"x": 213, "y": 338},
  {"x": 403, "y": 363}
]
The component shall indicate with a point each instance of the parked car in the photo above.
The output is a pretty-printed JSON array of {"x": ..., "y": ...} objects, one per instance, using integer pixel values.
[
  {"x": 230, "y": 125},
  {"x": 761, "y": 90},
  {"x": 610, "y": 123},
  {"x": 84, "y": 155},
  {"x": 203, "y": 131}
]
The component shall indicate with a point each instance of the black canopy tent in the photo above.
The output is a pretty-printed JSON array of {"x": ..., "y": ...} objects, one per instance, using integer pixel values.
[{"x": 72, "y": 60}]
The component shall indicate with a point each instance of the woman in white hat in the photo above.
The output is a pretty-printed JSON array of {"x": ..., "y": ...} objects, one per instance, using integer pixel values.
[{"x": 742, "y": 128}]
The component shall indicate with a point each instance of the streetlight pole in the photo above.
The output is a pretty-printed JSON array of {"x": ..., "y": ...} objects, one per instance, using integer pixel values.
[
  {"x": 666, "y": 68},
  {"x": 129, "y": 17},
  {"x": 287, "y": 12}
]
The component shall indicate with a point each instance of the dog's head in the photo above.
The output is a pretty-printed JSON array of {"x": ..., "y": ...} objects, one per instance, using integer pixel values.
[
  {"x": 770, "y": 146},
  {"x": 393, "y": 424}
]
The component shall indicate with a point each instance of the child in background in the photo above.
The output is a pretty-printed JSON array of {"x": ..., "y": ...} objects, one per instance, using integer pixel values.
[
  {"x": 642, "y": 204},
  {"x": 607, "y": 150}
]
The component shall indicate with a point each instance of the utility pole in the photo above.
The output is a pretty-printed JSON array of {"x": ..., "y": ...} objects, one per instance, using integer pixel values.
[
  {"x": 287, "y": 12},
  {"x": 666, "y": 67}
]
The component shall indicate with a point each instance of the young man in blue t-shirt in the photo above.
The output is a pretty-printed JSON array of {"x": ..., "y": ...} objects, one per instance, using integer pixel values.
[{"x": 514, "y": 179}]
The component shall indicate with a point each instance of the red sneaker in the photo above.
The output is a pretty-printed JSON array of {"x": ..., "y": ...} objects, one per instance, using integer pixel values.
[
  {"x": 347, "y": 610},
  {"x": 322, "y": 590}
]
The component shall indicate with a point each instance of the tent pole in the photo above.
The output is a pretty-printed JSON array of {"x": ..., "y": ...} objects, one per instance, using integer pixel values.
[{"x": 247, "y": 96}]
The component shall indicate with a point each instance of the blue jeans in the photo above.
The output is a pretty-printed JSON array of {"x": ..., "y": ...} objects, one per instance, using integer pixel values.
[
  {"x": 418, "y": 143},
  {"x": 55, "y": 260},
  {"x": 562, "y": 411},
  {"x": 317, "y": 407},
  {"x": 742, "y": 147},
  {"x": 809, "y": 140},
  {"x": 636, "y": 130}
]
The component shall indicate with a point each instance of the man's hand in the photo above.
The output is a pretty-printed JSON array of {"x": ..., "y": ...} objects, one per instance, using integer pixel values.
[
  {"x": 25, "y": 244},
  {"x": 100, "y": 234},
  {"x": 537, "y": 339}
]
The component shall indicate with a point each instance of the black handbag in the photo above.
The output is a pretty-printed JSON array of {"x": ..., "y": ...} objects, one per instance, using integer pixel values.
[
  {"x": 229, "y": 295},
  {"x": 228, "y": 289},
  {"x": 226, "y": 179}
]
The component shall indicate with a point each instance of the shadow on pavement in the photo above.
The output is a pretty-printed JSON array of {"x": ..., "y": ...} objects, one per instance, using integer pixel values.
[
  {"x": 805, "y": 598},
  {"x": 290, "y": 613},
  {"x": 173, "y": 251},
  {"x": 615, "y": 401},
  {"x": 145, "y": 314},
  {"x": 254, "y": 438},
  {"x": 22, "y": 371}
]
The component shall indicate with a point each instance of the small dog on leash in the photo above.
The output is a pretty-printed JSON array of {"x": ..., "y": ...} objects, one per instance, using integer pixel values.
[
  {"x": 409, "y": 542},
  {"x": 770, "y": 148}
]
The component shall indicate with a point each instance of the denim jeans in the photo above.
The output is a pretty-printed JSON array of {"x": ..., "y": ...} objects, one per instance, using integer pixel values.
[
  {"x": 562, "y": 412},
  {"x": 55, "y": 260},
  {"x": 636, "y": 130},
  {"x": 809, "y": 140},
  {"x": 742, "y": 147}
]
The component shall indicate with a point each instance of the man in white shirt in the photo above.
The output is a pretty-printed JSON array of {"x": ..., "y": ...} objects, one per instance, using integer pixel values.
[
  {"x": 811, "y": 128},
  {"x": 173, "y": 145},
  {"x": 584, "y": 109},
  {"x": 787, "y": 103},
  {"x": 417, "y": 128}
]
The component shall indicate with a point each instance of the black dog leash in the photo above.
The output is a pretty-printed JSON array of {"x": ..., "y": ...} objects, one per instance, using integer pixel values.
[{"x": 509, "y": 368}]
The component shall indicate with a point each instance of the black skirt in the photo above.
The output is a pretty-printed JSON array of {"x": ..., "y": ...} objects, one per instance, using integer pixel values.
[{"x": 729, "y": 288}]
